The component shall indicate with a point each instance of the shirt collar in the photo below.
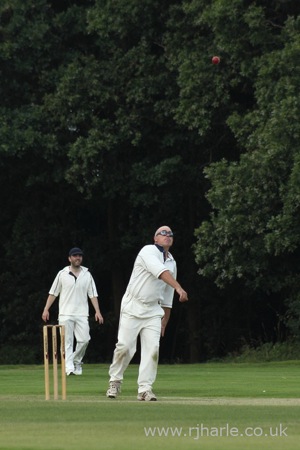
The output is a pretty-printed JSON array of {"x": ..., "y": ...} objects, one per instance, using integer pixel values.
[
  {"x": 160, "y": 248},
  {"x": 164, "y": 252}
]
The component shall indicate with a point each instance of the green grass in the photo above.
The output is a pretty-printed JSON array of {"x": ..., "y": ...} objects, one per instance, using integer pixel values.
[{"x": 207, "y": 406}]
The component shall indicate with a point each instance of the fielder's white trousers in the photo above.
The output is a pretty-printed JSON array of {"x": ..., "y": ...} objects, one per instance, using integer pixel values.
[
  {"x": 149, "y": 330},
  {"x": 78, "y": 327}
]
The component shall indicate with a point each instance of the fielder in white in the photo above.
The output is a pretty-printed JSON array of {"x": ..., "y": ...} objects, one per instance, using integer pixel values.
[
  {"x": 74, "y": 284},
  {"x": 145, "y": 311}
]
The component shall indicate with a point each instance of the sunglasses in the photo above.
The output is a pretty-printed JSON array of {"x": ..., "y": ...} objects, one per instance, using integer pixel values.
[{"x": 165, "y": 233}]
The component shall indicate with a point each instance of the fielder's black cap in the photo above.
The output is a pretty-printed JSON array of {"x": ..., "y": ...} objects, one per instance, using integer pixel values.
[{"x": 75, "y": 251}]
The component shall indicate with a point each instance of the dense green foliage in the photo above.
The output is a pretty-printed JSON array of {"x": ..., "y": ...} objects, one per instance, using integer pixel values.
[
  {"x": 253, "y": 232},
  {"x": 113, "y": 121}
]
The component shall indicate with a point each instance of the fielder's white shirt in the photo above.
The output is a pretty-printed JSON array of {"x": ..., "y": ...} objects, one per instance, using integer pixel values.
[
  {"x": 146, "y": 293},
  {"x": 73, "y": 292}
]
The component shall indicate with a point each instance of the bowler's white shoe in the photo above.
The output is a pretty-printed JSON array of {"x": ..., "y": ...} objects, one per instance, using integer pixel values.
[
  {"x": 147, "y": 396},
  {"x": 114, "y": 389}
]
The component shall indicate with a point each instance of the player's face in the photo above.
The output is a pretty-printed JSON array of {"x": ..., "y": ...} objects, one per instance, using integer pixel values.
[
  {"x": 75, "y": 260},
  {"x": 164, "y": 237}
]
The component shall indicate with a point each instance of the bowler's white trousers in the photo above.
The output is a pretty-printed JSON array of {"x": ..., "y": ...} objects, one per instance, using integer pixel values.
[
  {"x": 149, "y": 330},
  {"x": 77, "y": 326}
]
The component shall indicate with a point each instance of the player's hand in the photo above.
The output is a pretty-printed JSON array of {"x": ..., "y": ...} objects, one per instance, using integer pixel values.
[
  {"x": 99, "y": 318},
  {"x": 45, "y": 316},
  {"x": 183, "y": 297}
]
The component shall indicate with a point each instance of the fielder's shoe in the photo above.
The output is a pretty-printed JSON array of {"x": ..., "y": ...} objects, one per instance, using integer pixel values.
[
  {"x": 70, "y": 372},
  {"x": 147, "y": 396},
  {"x": 114, "y": 389},
  {"x": 77, "y": 369}
]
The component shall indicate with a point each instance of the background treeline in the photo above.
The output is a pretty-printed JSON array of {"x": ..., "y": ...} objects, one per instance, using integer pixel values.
[{"x": 113, "y": 121}]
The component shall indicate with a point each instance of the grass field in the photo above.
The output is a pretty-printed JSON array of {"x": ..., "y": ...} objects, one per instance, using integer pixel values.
[{"x": 207, "y": 406}]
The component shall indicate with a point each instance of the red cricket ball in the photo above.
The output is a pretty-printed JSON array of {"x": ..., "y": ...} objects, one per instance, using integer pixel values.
[{"x": 215, "y": 59}]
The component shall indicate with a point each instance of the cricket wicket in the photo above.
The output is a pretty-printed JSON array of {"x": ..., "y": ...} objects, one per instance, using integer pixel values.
[{"x": 54, "y": 329}]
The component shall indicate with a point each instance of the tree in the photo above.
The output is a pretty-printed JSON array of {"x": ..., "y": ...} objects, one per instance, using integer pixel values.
[
  {"x": 99, "y": 124},
  {"x": 110, "y": 111},
  {"x": 253, "y": 234}
]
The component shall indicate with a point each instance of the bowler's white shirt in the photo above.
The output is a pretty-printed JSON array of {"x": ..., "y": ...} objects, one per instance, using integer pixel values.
[{"x": 145, "y": 286}]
